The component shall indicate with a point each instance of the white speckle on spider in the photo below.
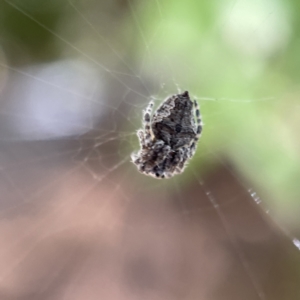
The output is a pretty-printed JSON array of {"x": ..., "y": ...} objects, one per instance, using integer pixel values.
[{"x": 169, "y": 137}]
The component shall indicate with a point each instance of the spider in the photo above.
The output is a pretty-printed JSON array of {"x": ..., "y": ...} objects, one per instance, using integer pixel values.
[{"x": 169, "y": 138}]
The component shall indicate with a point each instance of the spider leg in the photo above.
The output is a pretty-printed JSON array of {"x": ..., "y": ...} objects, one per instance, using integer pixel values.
[
  {"x": 141, "y": 137},
  {"x": 162, "y": 160},
  {"x": 198, "y": 128},
  {"x": 135, "y": 157},
  {"x": 184, "y": 156},
  {"x": 146, "y": 120}
]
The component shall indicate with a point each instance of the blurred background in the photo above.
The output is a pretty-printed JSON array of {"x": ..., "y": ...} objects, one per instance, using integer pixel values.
[{"x": 77, "y": 220}]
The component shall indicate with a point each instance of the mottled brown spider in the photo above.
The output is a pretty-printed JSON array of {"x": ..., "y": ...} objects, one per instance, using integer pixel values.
[{"x": 169, "y": 138}]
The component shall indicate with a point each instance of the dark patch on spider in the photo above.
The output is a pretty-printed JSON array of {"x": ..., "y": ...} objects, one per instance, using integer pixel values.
[{"x": 169, "y": 137}]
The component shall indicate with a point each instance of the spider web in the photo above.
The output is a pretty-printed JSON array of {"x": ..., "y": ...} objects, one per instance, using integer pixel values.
[{"x": 77, "y": 219}]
